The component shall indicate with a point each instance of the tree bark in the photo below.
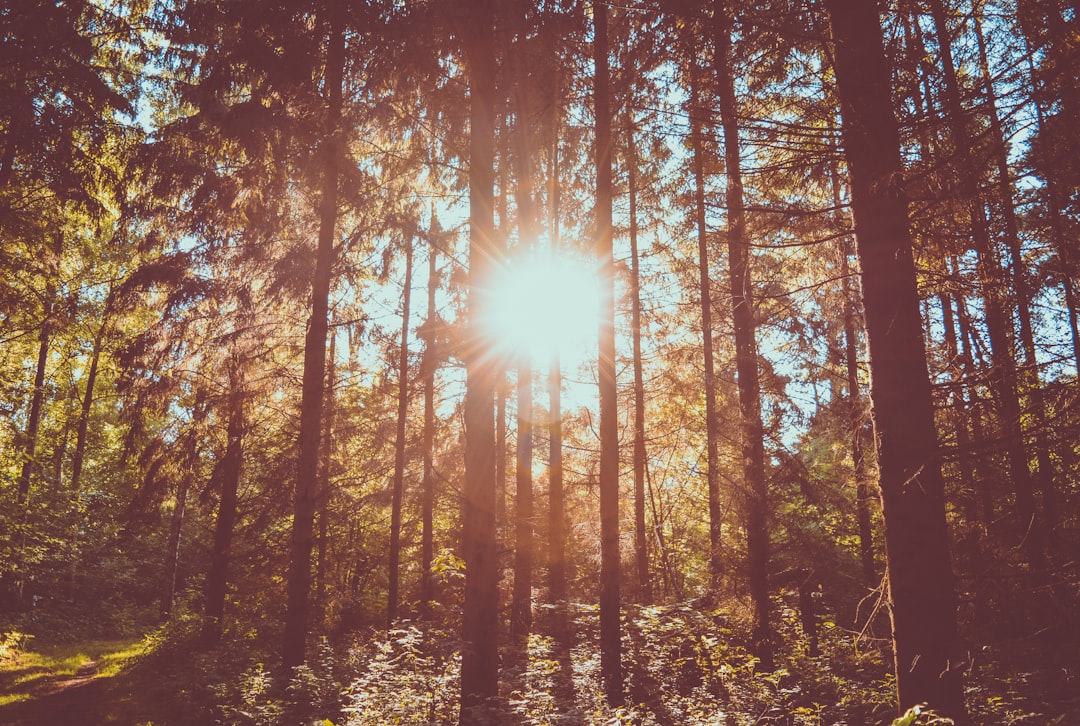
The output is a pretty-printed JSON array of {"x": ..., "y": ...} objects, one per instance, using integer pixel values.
[
  {"x": 641, "y": 533},
  {"x": 172, "y": 547},
  {"x": 610, "y": 645},
  {"x": 311, "y": 402},
  {"x": 752, "y": 432},
  {"x": 528, "y": 232},
  {"x": 928, "y": 669},
  {"x": 398, "y": 487},
  {"x": 37, "y": 399},
  {"x": 697, "y": 112},
  {"x": 88, "y": 399},
  {"x": 232, "y": 465},
  {"x": 556, "y": 555},
  {"x": 858, "y": 421},
  {"x": 480, "y": 657},
  {"x": 172, "y": 551},
  {"x": 427, "y": 484},
  {"x": 858, "y": 414},
  {"x": 326, "y": 465},
  {"x": 521, "y": 603}
]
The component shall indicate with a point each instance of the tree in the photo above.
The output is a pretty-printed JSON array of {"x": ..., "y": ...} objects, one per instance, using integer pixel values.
[
  {"x": 999, "y": 327},
  {"x": 858, "y": 414},
  {"x": 923, "y": 607},
  {"x": 37, "y": 396},
  {"x": 398, "y": 485},
  {"x": 176, "y": 525},
  {"x": 228, "y": 473},
  {"x": 1021, "y": 286},
  {"x": 427, "y": 484},
  {"x": 522, "y": 136},
  {"x": 641, "y": 537},
  {"x": 697, "y": 112},
  {"x": 480, "y": 657},
  {"x": 610, "y": 629},
  {"x": 752, "y": 431},
  {"x": 306, "y": 493},
  {"x": 556, "y": 554}
]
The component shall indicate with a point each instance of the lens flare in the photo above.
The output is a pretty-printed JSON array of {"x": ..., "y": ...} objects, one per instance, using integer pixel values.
[{"x": 543, "y": 304}]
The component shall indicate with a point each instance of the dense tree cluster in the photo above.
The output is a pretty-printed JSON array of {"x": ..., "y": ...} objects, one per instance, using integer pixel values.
[{"x": 249, "y": 254}]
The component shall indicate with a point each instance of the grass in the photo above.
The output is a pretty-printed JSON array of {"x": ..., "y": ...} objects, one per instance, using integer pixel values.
[{"x": 25, "y": 673}]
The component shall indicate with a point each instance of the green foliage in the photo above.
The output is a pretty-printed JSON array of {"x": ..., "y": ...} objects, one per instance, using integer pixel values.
[
  {"x": 257, "y": 704},
  {"x": 12, "y": 644},
  {"x": 536, "y": 698},
  {"x": 408, "y": 676},
  {"x": 315, "y": 688}
]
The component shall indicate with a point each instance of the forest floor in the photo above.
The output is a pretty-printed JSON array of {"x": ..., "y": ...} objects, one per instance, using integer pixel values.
[
  {"x": 74, "y": 683},
  {"x": 683, "y": 666}
]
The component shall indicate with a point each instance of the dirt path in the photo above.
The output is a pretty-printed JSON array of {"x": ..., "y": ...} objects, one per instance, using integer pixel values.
[{"x": 75, "y": 700}]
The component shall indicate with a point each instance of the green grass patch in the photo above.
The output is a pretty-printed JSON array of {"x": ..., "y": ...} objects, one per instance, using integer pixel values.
[{"x": 27, "y": 673}]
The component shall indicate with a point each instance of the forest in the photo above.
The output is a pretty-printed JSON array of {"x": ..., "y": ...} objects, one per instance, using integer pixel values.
[{"x": 539, "y": 362}]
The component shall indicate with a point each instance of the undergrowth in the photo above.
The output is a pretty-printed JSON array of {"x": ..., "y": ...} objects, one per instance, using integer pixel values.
[{"x": 683, "y": 665}]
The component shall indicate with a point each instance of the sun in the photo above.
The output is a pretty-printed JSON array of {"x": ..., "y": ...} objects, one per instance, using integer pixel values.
[{"x": 542, "y": 304}]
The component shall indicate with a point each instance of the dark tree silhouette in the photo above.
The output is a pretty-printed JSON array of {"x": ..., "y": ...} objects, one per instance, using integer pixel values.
[{"x": 928, "y": 669}]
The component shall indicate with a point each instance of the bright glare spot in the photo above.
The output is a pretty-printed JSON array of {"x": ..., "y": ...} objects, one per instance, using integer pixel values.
[{"x": 544, "y": 303}]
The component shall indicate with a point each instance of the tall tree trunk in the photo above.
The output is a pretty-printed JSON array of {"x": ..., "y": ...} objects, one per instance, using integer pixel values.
[
  {"x": 1021, "y": 293},
  {"x": 172, "y": 550},
  {"x": 528, "y": 232},
  {"x": 521, "y": 602},
  {"x": 231, "y": 470},
  {"x": 556, "y": 555},
  {"x": 697, "y": 143},
  {"x": 672, "y": 583},
  {"x": 502, "y": 380},
  {"x": 81, "y": 435},
  {"x": 37, "y": 400},
  {"x": 60, "y": 446},
  {"x": 1055, "y": 203},
  {"x": 34, "y": 418},
  {"x": 480, "y": 657},
  {"x": 746, "y": 354},
  {"x": 326, "y": 465},
  {"x": 502, "y": 390},
  {"x": 972, "y": 480},
  {"x": 958, "y": 405},
  {"x": 398, "y": 487},
  {"x": 610, "y": 645},
  {"x": 427, "y": 484},
  {"x": 88, "y": 399},
  {"x": 14, "y": 582},
  {"x": 976, "y": 406},
  {"x": 311, "y": 402},
  {"x": 641, "y": 534},
  {"x": 557, "y": 534},
  {"x": 997, "y": 324},
  {"x": 172, "y": 546},
  {"x": 858, "y": 414},
  {"x": 928, "y": 669}
]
